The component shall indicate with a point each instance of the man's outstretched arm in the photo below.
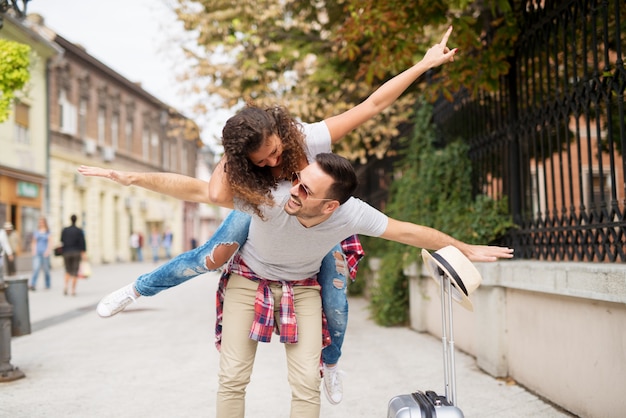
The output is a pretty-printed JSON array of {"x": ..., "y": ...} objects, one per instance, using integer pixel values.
[{"x": 431, "y": 239}]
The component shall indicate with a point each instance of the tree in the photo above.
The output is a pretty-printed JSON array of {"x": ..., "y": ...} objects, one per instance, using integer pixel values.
[
  {"x": 14, "y": 73},
  {"x": 323, "y": 57}
]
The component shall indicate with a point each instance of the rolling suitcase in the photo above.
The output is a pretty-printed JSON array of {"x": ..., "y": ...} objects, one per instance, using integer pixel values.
[{"x": 428, "y": 404}]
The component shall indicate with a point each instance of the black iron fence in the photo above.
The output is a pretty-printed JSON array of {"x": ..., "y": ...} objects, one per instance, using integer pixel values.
[{"x": 552, "y": 138}]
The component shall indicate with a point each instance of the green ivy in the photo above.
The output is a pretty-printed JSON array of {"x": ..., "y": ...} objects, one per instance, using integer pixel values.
[
  {"x": 434, "y": 188},
  {"x": 391, "y": 295},
  {"x": 14, "y": 73}
]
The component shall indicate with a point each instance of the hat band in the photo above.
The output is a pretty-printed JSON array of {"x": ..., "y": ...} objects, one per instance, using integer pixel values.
[{"x": 452, "y": 272}]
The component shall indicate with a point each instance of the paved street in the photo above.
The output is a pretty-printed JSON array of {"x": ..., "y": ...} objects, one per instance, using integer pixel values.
[{"x": 157, "y": 359}]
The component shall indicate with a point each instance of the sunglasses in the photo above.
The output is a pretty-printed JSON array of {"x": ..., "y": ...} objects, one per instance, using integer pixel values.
[{"x": 303, "y": 192}]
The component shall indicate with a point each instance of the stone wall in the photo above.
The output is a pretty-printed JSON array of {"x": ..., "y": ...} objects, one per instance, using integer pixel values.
[{"x": 557, "y": 328}]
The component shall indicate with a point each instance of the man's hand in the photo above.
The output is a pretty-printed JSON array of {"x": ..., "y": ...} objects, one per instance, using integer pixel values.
[{"x": 486, "y": 252}]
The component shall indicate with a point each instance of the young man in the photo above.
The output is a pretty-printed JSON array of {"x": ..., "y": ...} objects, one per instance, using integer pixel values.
[
  {"x": 276, "y": 266},
  {"x": 309, "y": 217}
]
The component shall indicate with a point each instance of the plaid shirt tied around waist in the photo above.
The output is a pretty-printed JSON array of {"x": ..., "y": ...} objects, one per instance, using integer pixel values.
[{"x": 264, "y": 324}]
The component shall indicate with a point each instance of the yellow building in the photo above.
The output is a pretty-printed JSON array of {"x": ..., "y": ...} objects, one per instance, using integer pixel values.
[{"x": 24, "y": 152}]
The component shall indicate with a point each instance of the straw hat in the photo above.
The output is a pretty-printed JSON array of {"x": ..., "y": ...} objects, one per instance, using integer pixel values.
[
  {"x": 463, "y": 275},
  {"x": 8, "y": 226}
]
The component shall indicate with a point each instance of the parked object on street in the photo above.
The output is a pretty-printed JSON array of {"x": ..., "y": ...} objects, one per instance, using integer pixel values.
[
  {"x": 16, "y": 293},
  {"x": 457, "y": 279}
]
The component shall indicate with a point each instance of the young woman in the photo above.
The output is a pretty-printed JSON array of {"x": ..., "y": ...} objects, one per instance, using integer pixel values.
[
  {"x": 74, "y": 248},
  {"x": 261, "y": 148},
  {"x": 41, "y": 249}
]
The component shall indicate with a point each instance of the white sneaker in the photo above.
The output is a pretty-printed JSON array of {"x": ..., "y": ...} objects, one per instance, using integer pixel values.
[
  {"x": 116, "y": 302},
  {"x": 333, "y": 386}
]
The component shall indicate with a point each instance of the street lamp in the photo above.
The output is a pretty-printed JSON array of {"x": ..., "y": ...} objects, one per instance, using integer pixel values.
[
  {"x": 7, "y": 371},
  {"x": 6, "y": 5}
]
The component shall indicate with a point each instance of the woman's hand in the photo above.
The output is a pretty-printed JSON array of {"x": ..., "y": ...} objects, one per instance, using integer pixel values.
[
  {"x": 175, "y": 185},
  {"x": 120, "y": 177},
  {"x": 439, "y": 53}
]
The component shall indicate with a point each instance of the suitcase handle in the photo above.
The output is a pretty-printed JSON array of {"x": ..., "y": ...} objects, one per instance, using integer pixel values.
[
  {"x": 447, "y": 337},
  {"x": 436, "y": 399}
]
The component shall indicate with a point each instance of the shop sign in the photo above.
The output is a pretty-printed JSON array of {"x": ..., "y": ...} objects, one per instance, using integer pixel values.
[{"x": 25, "y": 189}]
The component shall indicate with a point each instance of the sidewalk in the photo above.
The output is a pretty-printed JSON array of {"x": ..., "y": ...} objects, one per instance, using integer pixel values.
[{"x": 157, "y": 359}]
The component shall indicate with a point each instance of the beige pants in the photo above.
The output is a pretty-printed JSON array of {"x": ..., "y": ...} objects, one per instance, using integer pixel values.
[{"x": 238, "y": 351}]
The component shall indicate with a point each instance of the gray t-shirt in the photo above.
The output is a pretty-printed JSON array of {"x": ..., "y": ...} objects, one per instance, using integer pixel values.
[{"x": 280, "y": 248}]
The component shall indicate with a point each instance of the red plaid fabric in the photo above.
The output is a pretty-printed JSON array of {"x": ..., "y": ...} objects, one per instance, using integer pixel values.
[
  {"x": 264, "y": 324},
  {"x": 354, "y": 252}
]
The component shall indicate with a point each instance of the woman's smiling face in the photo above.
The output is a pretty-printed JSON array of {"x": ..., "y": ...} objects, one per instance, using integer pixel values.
[{"x": 269, "y": 154}]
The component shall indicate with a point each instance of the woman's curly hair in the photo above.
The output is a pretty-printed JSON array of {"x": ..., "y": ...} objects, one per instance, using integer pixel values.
[{"x": 245, "y": 133}]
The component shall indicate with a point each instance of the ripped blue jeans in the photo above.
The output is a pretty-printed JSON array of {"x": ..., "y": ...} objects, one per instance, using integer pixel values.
[{"x": 332, "y": 277}]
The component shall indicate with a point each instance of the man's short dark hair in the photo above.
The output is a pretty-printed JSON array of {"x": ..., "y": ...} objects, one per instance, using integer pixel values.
[{"x": 343, "y": 174}]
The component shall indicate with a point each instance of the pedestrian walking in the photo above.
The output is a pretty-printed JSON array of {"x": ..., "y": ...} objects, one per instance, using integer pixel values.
[
  {"x": 140, "y": 248},
  {"x": 155, "y": 243},
  {"x": 134, "y": 245},
  {"x": 40, "y": 248},
  {"x": 74, "y": 250},
  {"x": 14, "y": 243},
  {"x": 5, "y": 248},
  {"x": 168, "y": 237}
]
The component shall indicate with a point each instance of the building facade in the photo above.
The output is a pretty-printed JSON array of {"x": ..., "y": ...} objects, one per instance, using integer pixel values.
[
  {"x": 98, "y": 117},
  {"x": 24, "y": 138}
]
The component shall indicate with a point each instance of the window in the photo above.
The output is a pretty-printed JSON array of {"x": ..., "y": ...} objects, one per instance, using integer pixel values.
[
  {"x": 154, "y": 145},
  {"x": 82, "y": 118},
  {"x": 21, "y": 113},
  {"x": 598, "y": 188},
  {"x": 101, "y": 125},
  {"x": 129, "y": 126},
  {"x": 67, "y": 114},
  {"x": 538, "y": 191},
  {"x": 183, "y": 159},
  {"x": 115, "y": 127},
  {"x": 174, "y": 162},
  {"x": 145, "y": 143},
  {"x": 129, "y": 134},
  {"x": 167, "y": 165}
]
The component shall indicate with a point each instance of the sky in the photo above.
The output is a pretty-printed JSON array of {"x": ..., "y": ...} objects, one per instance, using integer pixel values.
[{"x": 135, "y": 39}]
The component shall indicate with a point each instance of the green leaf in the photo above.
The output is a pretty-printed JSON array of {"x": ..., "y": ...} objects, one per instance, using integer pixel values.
[{"x": 14, "y": 73}]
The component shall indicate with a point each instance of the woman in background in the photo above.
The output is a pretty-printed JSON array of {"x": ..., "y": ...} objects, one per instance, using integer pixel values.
[
  {"x": 74, "y": 248},
  {"x": 40, "y": 248}
]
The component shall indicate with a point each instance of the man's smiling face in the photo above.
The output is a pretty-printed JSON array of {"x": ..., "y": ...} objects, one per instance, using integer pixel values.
[{"x": 308, "y": 193}]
